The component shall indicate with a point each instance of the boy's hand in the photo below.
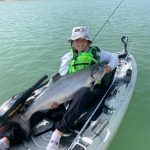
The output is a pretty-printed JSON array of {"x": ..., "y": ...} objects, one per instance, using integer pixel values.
[
  {"x": 107, "y": 69},
  {"x": 54, "y": 105}
]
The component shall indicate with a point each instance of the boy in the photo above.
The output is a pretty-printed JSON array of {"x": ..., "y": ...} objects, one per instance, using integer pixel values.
[{"x": 81, "y": 55}]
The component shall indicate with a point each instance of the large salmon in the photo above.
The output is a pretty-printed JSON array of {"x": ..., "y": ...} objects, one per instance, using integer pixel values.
[{"x": 64, "y": 88}]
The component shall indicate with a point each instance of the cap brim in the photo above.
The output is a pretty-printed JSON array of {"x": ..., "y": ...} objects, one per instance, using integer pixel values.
[{"x": 78, "y": 38}]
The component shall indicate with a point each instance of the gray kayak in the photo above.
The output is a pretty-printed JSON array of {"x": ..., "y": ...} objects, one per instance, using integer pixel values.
[{"x": 95, "y": 134}]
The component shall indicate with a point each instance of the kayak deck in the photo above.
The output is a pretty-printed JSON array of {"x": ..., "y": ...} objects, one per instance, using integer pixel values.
[{"x": 40, "y": 142}]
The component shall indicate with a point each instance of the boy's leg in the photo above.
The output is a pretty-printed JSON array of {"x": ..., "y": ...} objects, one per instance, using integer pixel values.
[
  {"x": 54, "y": 115},
  {"x": 81, "y": 101}
]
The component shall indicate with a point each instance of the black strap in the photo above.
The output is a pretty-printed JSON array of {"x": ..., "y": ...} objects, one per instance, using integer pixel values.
[
  {"x": 95, "y": 52},
  {"x": 80, "y": 64}
]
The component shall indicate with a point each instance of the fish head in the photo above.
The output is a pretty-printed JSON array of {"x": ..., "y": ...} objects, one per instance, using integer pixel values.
[{"x": 98, "y": 71}]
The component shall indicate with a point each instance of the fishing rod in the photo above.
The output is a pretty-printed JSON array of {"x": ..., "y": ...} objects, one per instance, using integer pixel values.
[
  {"x": 107, "y": 21},
  {"x": 87, "y": 122}
]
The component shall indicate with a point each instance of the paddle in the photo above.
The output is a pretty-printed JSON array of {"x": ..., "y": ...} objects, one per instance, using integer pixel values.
[{"x": 14, "y": 104}]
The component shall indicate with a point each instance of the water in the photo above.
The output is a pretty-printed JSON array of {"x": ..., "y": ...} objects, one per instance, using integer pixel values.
[{"x": 34, "y": 34}]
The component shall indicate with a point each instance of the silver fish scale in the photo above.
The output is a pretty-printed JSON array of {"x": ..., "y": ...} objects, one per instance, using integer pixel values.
[{"x": 63, "y": 89}]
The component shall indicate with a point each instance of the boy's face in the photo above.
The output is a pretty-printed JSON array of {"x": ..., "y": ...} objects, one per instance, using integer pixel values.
[{"x": 80, "y": 44}]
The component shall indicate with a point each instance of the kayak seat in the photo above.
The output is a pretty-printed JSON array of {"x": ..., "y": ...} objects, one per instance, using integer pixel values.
[{"x": 126, "y": 78}]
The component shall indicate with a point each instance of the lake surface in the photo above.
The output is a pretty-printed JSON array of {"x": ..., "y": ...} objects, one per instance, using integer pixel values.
[{"x": 33, "y": 38}]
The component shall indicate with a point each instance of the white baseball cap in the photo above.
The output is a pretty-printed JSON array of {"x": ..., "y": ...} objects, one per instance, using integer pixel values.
[{"x": 80, "y": 32}]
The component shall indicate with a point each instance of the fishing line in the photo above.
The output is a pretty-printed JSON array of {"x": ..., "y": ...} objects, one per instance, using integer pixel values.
[{"x": 107, "y": 21}]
